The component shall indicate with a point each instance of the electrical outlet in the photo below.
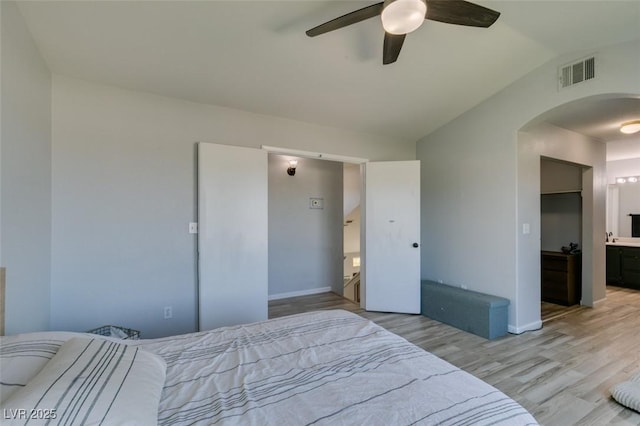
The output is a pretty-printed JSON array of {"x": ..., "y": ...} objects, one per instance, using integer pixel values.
[
  {"x": 193, "y": 227},
  {"x": 316, "y": 203},
  {"x": 168, "y": 312}
]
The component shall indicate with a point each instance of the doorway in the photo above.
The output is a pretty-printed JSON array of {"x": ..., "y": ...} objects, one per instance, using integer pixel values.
[
  {"x": 305, "y": 215},
  {"x": 561, "y": 236},
  {"x": 390, "y": 231},
  {"x": 390, "y": 234},
  {"x": 352, "y": 224}
]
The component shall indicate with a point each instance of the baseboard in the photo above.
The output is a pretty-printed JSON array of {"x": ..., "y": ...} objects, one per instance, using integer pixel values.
[
  {"x": 596, "y": 303},
  {"x": 299, "y": 293},
  {"x": 536, "y": 325}
]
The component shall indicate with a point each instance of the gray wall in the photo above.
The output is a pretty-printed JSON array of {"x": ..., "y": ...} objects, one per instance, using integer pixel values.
[
  {"x": 556, "y": 176},
  {"x": 560, "y": 209},
  {"x": 478, "y": 187},
  {"x": 124, "y": 191},
  {"x": 25, "y": 176},
  {"x": 560, "y": 221},
  {"x": 305, "y": 245}
]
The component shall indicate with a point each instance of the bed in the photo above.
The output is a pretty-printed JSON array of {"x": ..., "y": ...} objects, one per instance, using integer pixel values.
[{"x": 319, "y": 368}]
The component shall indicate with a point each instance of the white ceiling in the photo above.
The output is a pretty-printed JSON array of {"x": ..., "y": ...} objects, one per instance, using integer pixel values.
[
  {"x": 600, "y": 118},
  {"x": 255, "y": 56}
]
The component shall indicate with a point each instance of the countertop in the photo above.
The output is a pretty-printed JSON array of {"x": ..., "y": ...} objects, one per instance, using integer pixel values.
[{"x": 625, "y": 242}]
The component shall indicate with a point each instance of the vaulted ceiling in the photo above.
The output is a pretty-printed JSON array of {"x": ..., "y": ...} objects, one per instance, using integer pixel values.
[{"x": 255, "y": 56}]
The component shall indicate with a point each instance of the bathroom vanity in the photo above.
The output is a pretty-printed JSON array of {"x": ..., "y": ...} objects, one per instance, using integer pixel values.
[{"x": 623, "y": 262}]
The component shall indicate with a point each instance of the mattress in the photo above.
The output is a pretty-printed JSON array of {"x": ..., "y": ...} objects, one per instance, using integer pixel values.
[{"x": 318, "y": 368}]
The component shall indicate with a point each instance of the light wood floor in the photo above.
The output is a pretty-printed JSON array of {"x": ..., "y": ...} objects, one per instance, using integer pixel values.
[
  {"x": 561, "y": 373},
  {"x": 551, "y": 311}
]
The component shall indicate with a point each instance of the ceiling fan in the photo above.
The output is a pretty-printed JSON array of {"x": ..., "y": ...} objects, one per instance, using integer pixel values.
[{"x": 400, "y": 17}]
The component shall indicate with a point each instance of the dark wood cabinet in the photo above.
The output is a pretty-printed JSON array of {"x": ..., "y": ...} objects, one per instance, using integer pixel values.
[
  {"x": 561, "y": 278},
  {"x": 614, "y": 272},
  {"x": 631, "y": 267},
  {"x": 623, "y": 266}
]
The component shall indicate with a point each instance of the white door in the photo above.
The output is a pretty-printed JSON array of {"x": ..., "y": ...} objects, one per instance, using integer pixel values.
[
  {"x": 232, "y": 235},
  {"x": 392, "y": 237}
]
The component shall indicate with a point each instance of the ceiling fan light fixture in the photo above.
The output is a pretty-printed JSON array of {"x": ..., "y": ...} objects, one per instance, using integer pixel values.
[
  {"x": 403, "y": 16},
  {"x": 630, "y": 127}
]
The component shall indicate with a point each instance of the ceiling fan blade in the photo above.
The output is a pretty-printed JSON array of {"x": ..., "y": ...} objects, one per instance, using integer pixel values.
[
  {"x": 461, "y": 13},
  {"x": 392, "y": 46},
  {"x": 348, "y": 19}
]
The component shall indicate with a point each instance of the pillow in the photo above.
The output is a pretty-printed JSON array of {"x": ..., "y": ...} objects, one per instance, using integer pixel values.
[
  {"x": 22, "y": 356},
  {"x": 90, "y": 382},
  {"x": 628, "y": 393}
]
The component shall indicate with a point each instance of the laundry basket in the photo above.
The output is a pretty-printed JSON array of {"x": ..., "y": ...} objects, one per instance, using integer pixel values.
[{"x": 116, "y": 331}]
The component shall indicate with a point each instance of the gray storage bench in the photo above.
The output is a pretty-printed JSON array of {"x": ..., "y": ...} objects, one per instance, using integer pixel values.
[{"x": 477, "y": 313}]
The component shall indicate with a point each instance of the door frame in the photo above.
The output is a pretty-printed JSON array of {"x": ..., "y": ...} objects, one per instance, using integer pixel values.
[
  {"x": 586, "y": 229},
  {"x": 342, "y": 159}
]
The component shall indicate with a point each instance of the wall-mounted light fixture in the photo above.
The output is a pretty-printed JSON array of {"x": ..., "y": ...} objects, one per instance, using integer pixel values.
[
  {"x": 630, "y": 127},
  {"x": 630, "y": 179},
  {"x": 291, "y": 171}
]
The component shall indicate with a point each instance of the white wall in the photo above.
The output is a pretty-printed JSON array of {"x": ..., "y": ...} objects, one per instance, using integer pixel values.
[
  {"x": 352, "y": 231},
  {"x": 627, "y": 149},
  {"x": 25, "y": 176},
  {"x": 622, "y": 168},
  {"x": 476, "y": 197},
  {"x": 352, "y": 223},
  {"x": 305, "y": 244},
  {"x": 124, "y": 184},
  {"x": 349, "y": 269},
  {"x": 352, "y": 187}
]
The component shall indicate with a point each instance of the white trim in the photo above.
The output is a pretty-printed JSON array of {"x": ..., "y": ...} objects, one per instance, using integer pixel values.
[
  {"x": 299, "y": 293},
  {"x": 536, "y": 325},
  {"x": 311, "y": 154},
  {"x": 594, "y": 304}
]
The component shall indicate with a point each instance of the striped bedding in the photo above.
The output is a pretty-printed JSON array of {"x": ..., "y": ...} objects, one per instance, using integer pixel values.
[
  {"x": 91, "y": 381},
  {"x": 319, "y": 368}
]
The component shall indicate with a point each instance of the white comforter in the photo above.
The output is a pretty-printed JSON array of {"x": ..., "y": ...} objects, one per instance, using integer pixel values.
[
  {"x": 330, "y": 367},
  {"x": 324, "y": 368}
]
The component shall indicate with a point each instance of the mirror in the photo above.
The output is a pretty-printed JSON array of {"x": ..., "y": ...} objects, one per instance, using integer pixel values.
[{"x": 622, "y": 199}]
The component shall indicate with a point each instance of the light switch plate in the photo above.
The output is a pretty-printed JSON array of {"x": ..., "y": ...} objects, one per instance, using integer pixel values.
[{"x": 193, "y": 227}]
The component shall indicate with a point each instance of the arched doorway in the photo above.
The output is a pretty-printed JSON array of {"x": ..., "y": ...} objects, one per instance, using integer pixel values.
[{"x": 575, "y": 132}]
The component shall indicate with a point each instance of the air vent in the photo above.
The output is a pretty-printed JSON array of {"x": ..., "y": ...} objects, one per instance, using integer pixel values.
[{"x": 577, "y": 72}]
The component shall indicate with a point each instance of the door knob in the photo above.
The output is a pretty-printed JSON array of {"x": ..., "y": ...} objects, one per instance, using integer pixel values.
[{"x": 416, "y": 245}]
